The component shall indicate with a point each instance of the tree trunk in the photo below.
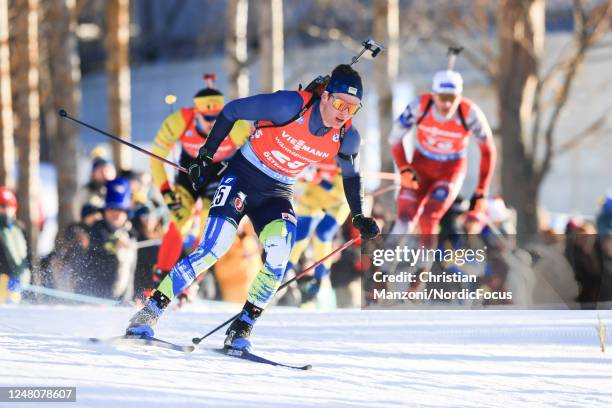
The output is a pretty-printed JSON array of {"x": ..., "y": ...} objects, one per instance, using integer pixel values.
[
  {"x": 64, "y": 67},
  {"x": 520, "y": 35},
  {"x": 7, "y": 145},
  {"x": 27, "y": 114},
  {"x": 236, "y": 48},
  {"x": 118, "y": 77},
  {"x": 271, "y": 47},
  {"x": 386, "y": 30}
]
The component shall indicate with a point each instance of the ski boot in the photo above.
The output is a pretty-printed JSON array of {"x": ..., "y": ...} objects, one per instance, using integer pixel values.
[
  {"x": 240, "y": 330},
  {"x": 142, "y": 323}
]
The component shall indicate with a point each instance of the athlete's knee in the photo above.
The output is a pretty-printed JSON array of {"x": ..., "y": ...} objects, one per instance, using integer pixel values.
[
  {"x": 440, "y": 193},
  {"x": 277, "y": 239},
  {"x": 218, "y": 237}
]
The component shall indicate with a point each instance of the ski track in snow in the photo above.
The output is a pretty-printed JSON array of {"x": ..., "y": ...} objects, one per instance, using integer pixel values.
[{"x": 360, "y": 358}]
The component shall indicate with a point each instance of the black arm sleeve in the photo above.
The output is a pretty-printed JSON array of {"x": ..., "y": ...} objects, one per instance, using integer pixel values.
[
  {"x": 348, "y": 160},
  {"x": 277, "y": 107},
  {"x": 353, "y": 192},
  {"x": 222, "y": 128}
]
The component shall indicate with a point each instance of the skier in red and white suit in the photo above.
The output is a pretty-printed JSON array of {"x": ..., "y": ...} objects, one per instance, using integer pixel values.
[{"x": 433, "y": 160}]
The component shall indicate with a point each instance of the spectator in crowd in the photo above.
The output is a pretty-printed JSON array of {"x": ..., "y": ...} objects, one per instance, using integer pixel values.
[
  {"x": 147, "y": 230},
  {"x": 90, "y": 214},
  {"x": 348, "y": 267},
  {"x": 582, "y": 252},
  {"x": 604, "y": 218},
  {"x": 14, "y": 250},
  {"x": 65, "y": 263},
  {"x": 141, "y": 188},
  {"x": 112, "y": 252},
  {"x": 346, "y": 272},
  {"x": 604, "y": 230},
  {"x": 94, "y": 191}
]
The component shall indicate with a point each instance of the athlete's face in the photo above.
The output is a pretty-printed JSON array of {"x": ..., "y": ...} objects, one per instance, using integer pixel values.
[
  {"x": 446, "y": 104},
  {"x": 336, "y": 108},
  {"x": 204, "y": 123}
]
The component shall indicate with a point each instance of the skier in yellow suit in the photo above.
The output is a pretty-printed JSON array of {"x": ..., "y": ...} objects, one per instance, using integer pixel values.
[
  {"x": 321, "y": 210},
  {"x": 190, "y": 128}
]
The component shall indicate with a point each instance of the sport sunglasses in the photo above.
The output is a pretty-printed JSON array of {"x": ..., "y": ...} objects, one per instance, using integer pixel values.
[{"x": 341, "y": 106}]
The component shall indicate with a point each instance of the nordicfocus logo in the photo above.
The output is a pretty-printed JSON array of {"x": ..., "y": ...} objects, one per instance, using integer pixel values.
[{"x": 301, "y": 145}]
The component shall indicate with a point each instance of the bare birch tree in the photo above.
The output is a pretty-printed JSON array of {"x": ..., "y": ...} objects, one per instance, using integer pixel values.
[
  {"x": 7, "y": 144},
  {"x": 236, "y": 53},
  {"x": 24, "y": 49},
  {"x": 386, "y": 30},
  {"x": 118, "y": 77},
  {"x": 64, "y": 75},
  {"x": 271, "y": 44}
]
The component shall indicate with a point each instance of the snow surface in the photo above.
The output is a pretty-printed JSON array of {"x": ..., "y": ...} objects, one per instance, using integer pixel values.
[{"x": 360, "y": 358}]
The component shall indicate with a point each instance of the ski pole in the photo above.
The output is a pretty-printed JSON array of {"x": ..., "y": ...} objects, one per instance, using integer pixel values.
[
  {"x": 452, "y": 56},
  {"x": 64, "y": 114},
  {"x": 197, "y": 340}
]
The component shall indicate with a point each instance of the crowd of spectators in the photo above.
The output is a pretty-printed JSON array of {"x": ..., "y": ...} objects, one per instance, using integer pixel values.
[
  {"x": 559, "y": 269},
  {"x": 110, "y": 252}
]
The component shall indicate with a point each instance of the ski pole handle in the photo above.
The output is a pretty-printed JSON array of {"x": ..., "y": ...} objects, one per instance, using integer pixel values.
[
  {"x": 197, "y": 340},
  {"x": 64, "y": 114}
]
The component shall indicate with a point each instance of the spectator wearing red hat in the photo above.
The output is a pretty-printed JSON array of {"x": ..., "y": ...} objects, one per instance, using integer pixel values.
[{"x": 14, "y": 250}]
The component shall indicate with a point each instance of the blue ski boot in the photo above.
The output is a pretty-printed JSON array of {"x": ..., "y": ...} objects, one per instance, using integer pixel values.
[
  {"x": 142, "y": 323},
  {"x": 240, "y": 330}
]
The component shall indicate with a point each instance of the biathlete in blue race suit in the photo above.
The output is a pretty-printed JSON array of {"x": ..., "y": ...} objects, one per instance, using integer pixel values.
[{"x": 294, "y": 129}]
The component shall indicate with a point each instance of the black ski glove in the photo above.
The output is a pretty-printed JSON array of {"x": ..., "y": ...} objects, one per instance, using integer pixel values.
[
  {"x": 200, "y": 169},
  {"x": 366, "y": 226}
]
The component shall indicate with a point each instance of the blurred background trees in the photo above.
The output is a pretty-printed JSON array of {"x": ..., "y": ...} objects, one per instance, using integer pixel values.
[
  {"x": 24, "y": 51},
  {"x": 7, "y": 145},
  {"x": 118, "y": 78},
  {"x": 57, "y": 46}
]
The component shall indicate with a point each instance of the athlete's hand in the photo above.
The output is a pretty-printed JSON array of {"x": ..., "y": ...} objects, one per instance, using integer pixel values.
[
  {"x": 478, "y": 203},
  {"x": 410, "y": 179},
  {"x": 173, "y": 201},
  {"x": 366, "y": 226},
  {"x": 200, "y": 168}
]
